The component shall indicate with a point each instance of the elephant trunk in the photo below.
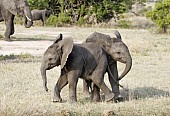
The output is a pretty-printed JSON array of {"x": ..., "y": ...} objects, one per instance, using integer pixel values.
[
  {"x": 44, "y": 77},
  {"x": 127, "y": 68},
  {"x": 28, "y": 15}
]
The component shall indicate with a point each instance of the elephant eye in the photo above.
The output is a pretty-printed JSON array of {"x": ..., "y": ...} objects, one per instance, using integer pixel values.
[
  {"x": 50, "y": 59},
  {"x": 118, "y": 52}
]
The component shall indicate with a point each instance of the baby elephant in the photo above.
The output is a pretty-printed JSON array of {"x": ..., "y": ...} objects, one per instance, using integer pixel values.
[
  {"x": 86, "y": 61},
  {"x": 40, "y": 15}
]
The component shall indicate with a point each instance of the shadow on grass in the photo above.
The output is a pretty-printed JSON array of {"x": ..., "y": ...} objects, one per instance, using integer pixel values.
[{"x": 144, "y": 92}]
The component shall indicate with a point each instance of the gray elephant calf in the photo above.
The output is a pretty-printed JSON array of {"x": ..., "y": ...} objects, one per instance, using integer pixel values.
[
  {"x": 40, "y": 15},
  {"x": 87, "y": 61},
  {"x": 116, "y": 50}
]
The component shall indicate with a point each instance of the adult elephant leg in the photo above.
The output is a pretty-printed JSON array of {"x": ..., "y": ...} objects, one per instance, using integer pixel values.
[
  {"x": 115, "y": 87},
  {"x": 72, "y": 81},
  {"x": 8, "y": 17},
  {"x": 62, "y": 81}
]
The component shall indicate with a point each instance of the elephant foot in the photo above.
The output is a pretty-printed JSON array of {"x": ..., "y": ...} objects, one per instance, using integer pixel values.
[
  {"x": 96, "y": 99},
  {"x": 118, "y": 98},
  {"x": 109, "y": 97},
  {"x": 55, "y": 99},
  {"x": 7, "y": 39}
]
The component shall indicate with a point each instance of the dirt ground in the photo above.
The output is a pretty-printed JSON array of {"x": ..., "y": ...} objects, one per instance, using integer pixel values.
[{"x": 33, "y": 40}]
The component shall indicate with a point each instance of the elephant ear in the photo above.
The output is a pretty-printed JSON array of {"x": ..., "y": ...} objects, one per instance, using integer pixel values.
[
  {"x": 10, "y": 5},
  {"x": 58, "y": 38},
  {"x": 118, "y": 36},
  {"x": 67, "y": 46}
]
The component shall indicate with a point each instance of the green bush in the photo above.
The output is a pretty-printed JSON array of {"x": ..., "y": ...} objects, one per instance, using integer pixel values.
[
  {"x": 52, "y": 21},
  {"x": 81, "y": 21},
  {"x": 124, "y": 24},
  {"x": 38, "y": 4},
  {"x": 64, "y": 18},
  {"x": 160, "y": 15}
]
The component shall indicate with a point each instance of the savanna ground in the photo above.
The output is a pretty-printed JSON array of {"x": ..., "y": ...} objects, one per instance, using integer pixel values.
[{"x": 147, "y": 85}]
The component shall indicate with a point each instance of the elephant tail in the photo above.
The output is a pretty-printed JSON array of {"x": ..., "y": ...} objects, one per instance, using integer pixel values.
[{"x": 109, "y": 71}]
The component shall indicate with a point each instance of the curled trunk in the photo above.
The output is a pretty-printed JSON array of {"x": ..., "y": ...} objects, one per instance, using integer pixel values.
[{"x": 28, "y": 15}]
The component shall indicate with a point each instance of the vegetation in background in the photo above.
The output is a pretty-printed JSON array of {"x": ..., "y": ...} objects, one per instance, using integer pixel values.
[
  {"x": 78, "y": 11},
  {"x": 20, "y": 57},
  {"x": 160, "y": 15},
  {"x": 38, "y": 4}
]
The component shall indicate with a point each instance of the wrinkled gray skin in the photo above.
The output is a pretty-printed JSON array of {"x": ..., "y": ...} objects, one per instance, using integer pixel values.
[
  {"x": 8, "y": 10},
  {"x": 87, "y": 61},
  {"x": 40, "y": 15},
  {"x": 115, "y": 50}
]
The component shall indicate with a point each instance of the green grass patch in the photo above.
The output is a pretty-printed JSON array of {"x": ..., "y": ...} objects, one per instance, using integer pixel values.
[{"x": 21, "y": 57}]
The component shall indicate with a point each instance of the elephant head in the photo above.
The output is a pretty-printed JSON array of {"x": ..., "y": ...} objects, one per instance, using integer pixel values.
[
  {"x": 19, "y": 7},
  {"x": 47, "y": 13},
  {"x": 113, "y": 47},
  {"x": 55, "y": 55}
]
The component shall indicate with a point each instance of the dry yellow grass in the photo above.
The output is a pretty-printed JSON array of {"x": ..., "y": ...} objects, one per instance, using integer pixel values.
[{"x": 147, "y": 84}]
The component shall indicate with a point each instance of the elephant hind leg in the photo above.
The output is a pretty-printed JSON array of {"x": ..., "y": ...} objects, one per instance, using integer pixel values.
[
  {"x": 95, "y": 93},
  {"x": 107, "y": 92},
  {"x": 62, "y": 81}
]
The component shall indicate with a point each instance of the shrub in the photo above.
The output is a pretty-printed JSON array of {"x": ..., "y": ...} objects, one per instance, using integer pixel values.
[
  {"x": 52, "y": 21},
  {"x": 124, "y": 24},
  {"x": 160, "y": 15}
]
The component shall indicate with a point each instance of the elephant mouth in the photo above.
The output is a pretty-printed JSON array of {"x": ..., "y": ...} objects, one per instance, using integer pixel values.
[
  {"x": 51, "y": 65},
  {"x": 120, "y": 60}
]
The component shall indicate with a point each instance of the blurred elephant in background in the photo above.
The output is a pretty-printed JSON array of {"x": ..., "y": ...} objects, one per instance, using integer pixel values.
[
  {"x": 8, "y": 10},
  {"x": 40, "y": 15},
  {"x": 87, "y": 61},
  {"x": 115, "y": 50}
]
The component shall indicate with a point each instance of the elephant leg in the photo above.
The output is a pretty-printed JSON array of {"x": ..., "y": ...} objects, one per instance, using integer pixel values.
[
  {"x": 107, "y": 92},
  {"x": 95, "y": 93},
  {"x": 115, "y": 87},
  {"x": 9, "y": 18},
  {"x": 98, "y": 79},
  {"x": 85, "y": 87},
  {"x": 62, "y": 81},
  {"x": 42, "y": 22},
  {"x": 12, "y": 25},
  {"x": 72, "y": 81}
]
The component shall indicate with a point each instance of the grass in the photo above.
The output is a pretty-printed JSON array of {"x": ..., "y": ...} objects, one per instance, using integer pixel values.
[{"x": 147, "y": 84}]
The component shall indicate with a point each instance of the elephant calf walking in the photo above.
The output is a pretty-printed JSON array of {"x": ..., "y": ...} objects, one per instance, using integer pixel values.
[
  {"x": 87, "y": 61},
  {"x": 40, "y": 15}
]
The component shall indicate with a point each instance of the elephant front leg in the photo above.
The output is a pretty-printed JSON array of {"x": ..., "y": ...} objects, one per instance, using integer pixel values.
[
  {"x": 62, "y": 81},
  {"x": 72, "y": 80},
  {"x": 114, "y": 82},
  {"x": 9, "y": 18}
]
